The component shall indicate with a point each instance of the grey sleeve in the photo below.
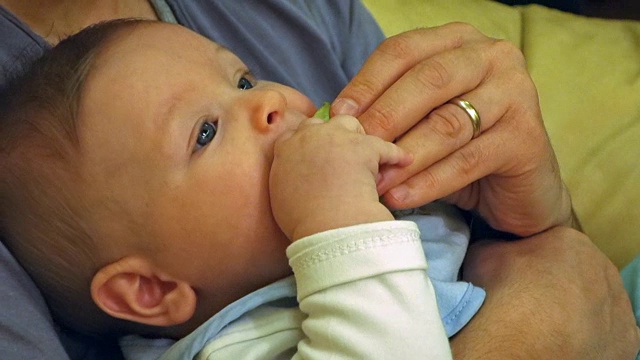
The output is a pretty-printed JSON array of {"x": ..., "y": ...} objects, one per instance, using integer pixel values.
[
  {"x": 353, "y": 31},
  {"x": 26, "y": 329}
]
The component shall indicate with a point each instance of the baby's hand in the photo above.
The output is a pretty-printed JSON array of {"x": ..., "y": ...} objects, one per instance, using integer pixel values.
[{"x": 324, "y": 176}]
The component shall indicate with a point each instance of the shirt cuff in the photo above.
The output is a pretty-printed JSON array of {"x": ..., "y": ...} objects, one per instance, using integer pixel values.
[{"x": 352, "y": 253}]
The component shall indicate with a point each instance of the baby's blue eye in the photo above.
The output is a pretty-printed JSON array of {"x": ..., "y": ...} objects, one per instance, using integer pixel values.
[
  {"x": 244, "y": 84},
  {"x": 207, "y": 133}
]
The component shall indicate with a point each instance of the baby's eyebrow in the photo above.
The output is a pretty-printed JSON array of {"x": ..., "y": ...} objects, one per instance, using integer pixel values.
[
  {"x": 220, "y": 49},
  {"x": 223, "y": 51},
  {"x": 165, "y": 116},
  {"x": 223, "y": 48}
]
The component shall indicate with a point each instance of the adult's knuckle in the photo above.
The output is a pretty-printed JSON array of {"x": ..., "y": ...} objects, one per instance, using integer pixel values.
[
  {"x": 469, "y": 159},
  {"x": 526, "y": 106},
  {"x": 430, "y": 180},
  {"x": 448, "y": 124},
  {"x": 505, "y": 57},
  {"x": 462, "y": 28},
  {"x": 524, "y": 82},
  {"x": 363, "y": 87},
  {"x": 433, "y": 75},
  {"x": 398, "y": 47},
  {"x": 505, "y": 49},
  {"x": 381, "y": 119}
]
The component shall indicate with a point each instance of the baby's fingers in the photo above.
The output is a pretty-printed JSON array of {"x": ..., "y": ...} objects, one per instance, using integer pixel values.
[
  {"x": 348, "y": 122},
  {"x": 389, "y": 153},
  {"x": 392, "y": 154},
  {"x": 313, "y": 121}
]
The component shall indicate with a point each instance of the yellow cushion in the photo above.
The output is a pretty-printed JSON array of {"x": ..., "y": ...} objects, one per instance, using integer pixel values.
[{"x": 588, "y": 75}]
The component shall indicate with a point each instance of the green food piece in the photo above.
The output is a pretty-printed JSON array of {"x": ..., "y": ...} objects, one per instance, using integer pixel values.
[{"x": 323, "y": 112}]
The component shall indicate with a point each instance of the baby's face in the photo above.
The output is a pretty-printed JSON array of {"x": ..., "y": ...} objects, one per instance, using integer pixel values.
[{"x": 177, "y": 143}]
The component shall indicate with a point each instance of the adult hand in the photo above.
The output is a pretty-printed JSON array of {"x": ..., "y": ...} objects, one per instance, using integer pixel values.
[
  {"x": 509, "y": 174},
  {"x": 551, "y": 296}
]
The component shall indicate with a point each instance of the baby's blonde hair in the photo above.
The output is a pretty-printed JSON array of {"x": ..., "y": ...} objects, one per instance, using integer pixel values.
[{"x": 42, "y": 215}]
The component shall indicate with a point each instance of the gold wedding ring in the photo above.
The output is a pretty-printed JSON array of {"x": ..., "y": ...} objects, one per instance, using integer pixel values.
[{"x": 471, "y": 111}]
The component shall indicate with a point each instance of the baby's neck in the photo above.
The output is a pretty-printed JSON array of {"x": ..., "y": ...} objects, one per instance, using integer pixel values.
[{"x": 56, "y": 19}]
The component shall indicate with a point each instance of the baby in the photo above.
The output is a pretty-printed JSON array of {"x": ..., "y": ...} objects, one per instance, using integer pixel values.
[{"x": 152, "y": 186}]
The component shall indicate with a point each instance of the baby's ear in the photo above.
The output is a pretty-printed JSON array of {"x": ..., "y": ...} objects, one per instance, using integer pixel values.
[{"x": 133, "y": 289}]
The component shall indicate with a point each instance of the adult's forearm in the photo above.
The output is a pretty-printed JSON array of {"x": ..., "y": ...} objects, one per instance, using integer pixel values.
[
  {"x": 553, "y": 295},
  {"x": 509, "y": 327}
]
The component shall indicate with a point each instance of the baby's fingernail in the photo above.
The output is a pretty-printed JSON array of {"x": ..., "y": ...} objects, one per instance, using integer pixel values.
[{"x": 345, "y": 106}]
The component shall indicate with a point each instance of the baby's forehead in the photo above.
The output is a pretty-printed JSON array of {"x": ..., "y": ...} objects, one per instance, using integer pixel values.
[
  {"x": 152, "y": 35},
  {"x": 152, "y": 50}
]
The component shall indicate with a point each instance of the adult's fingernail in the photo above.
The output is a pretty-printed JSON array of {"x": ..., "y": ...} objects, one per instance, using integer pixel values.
[
  {"x": 345, "y": 106},
  {"x": 400, "y": 193}
]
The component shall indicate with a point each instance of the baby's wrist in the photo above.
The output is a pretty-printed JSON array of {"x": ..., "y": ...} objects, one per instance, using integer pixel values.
[{"x": 340, "y": 218}]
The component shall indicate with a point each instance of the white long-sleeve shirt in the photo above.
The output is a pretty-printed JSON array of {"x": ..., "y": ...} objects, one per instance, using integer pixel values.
[{"x": 362, "y": 293}]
